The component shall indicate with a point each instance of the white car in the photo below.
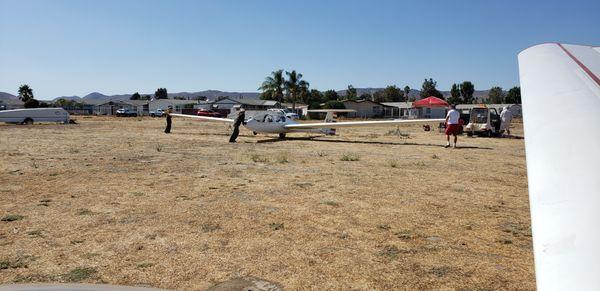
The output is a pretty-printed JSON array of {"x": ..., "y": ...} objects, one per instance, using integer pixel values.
[
  {"x": 158, "y": 113},
  {"x": 288, "y": 113}
]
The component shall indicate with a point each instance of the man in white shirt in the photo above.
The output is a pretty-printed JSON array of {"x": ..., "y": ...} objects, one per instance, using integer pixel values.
[
  {"x": 506, "y": 117},
  {"x": 453, "y": 126}
]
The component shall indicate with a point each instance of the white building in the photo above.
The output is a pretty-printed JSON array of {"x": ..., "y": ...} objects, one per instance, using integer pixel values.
[
  {"x": 178, "y": 105},
  {"x": 400, "y": 110},
  {"x": 226, "y": 106},
  {"x": 366, "y": 108},
  {"x": 111, "y": 107}
]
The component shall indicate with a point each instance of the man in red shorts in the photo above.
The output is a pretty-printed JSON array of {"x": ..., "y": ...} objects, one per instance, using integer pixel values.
[{"x": 453, "y": 126}]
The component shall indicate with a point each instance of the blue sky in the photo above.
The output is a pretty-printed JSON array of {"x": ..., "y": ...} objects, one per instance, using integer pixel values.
[{"x": 77, "y": 47}]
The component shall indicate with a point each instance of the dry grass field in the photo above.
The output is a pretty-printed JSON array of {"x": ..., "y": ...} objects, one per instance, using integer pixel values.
[{"x": 115, "y": 200}]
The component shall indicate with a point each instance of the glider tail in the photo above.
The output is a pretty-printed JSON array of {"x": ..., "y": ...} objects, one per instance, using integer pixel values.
[{"x": 330, "y": 117}]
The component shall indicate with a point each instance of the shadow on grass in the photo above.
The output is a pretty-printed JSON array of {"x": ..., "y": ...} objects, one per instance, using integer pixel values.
[{"x": 321, "y": 139}]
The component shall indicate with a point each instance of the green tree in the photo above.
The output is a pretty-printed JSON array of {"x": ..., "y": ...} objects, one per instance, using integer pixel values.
[
  {"x": 466, "y": 91},
  {"x": 330, "y": 95},
  {"x": 496, "y": 95},
  {"x": 161, "y": 93},
  {"x": 389, "y": 94},
  {"x": 31, "y": 103},
  {"x": 146, "y": 97},
  {"x": 334, "y": 104},
  {"x": 315, "y": 96},
  {"x": 429, "y": 89},
  {"x": 394, "y": 94},
  {"x": 273, "y": 86},
  {"x": 135, "y": 96},
  {"x": 351, "y": 93},
  {"x": 25, "y": 93},
  {"x": 406, "y": 91},
  {"x": 455, "y": 94},
  {"x": 513, "y": 96},
  {"x": 293, "y": 86},
  {"x": 304, "y": 93},
  {"x": 365, "y": 96}
]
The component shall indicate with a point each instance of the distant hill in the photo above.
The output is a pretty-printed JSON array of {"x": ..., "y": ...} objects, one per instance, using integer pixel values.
[
  {"x": 210, "y": 94},
  {"x": 74, "y": 98},
  {"x": 8, "y": 96},
  {"x": 96, "y": 97}
]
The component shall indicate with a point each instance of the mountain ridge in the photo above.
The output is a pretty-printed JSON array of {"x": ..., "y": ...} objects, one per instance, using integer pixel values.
[{"x": 214, "y": 94}]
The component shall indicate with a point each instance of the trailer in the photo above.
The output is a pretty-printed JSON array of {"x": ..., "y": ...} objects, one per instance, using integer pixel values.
[{"x": 29, "y": 116}]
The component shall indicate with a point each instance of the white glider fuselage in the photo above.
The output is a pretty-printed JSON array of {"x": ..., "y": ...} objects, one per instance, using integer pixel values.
[{"x": 274, "y": 124}]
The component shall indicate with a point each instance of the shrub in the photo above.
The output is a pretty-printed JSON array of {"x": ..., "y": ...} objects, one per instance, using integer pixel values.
[
  {"x": 80, "y": 274},
  {"x": 31, "y": 103},
  {"x": 350, "y": 157},
  {"x": 258, "y": 158},
  {"x": 12, "y": 217}
]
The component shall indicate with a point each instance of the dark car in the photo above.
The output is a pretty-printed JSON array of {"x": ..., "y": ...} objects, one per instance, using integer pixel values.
[
  {"x": 126, "y": 112},
  {"x": 209, "y": 113}
]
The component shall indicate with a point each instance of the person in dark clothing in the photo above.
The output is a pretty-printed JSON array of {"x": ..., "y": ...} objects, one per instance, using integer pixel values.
[
  {"x": 168, "y": 113},
  {"x": 236, "y": 125}
]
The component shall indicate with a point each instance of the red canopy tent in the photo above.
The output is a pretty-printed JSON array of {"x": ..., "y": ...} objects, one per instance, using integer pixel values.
[{"x": 430, "y": 101}]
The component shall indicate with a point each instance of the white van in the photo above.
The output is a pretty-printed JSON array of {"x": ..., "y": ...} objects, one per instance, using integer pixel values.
[{"x": 29, "y": 116}]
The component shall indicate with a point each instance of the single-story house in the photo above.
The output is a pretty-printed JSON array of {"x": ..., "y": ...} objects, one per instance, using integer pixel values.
[
  {"x": 399, "y": 110},
  {"x": 226, "y": 105},
  {"x": 79, "y": 109},
  {"x": 427, "y": 112},
  {"x": 178, "y": 105},
  {"x": 111, "y": 107},
  {"x": 366, "y": 108},
  {"x": 301, "y": 109}
]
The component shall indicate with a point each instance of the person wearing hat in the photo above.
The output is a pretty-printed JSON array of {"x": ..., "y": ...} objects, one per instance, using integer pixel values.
[
  {"x": 168, "y": 114},
  {"x": 240, "y": 119}
]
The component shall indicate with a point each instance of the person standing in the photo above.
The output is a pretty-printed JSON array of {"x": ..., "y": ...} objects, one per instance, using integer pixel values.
[
  {"x": 240, "y": 119},
  {"x": 168, "y": 114},
  {"x": 506, "y": 118},
  {"x": 453, "y": 126}
]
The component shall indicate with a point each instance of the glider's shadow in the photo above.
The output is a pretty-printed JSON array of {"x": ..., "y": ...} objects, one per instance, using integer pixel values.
[
  {"x": 186, "y": 133},
  {"x": 317, "y": 139}
]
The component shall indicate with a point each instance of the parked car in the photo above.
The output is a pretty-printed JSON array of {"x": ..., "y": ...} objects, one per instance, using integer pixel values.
[
  {"x": 288, "y": 113},
  {"x": 157, "y": 113},
  {"x": 125, "y": 112},
  {"x": 208, "y": 112},
  {"x": 29, "y": 116}
]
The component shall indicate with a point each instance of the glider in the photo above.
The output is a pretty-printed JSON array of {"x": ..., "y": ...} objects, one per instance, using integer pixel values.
[
  {"x": 277, "y": 123},
  {"x": 560, "y": 86}
]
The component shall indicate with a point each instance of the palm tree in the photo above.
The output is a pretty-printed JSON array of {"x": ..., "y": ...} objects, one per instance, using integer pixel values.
[
  {"x": 406, "y": 91},
  {"x": 273, "y": 86},
  {"x": 304, "y": 93},
  {"x": 294, "y": 85},
  {"x": 25, "y": 93}
]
